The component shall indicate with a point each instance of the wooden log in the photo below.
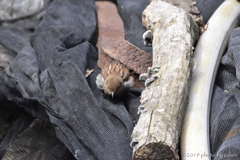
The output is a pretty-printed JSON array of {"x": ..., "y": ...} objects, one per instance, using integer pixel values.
[{"x": 165, "y": 100}]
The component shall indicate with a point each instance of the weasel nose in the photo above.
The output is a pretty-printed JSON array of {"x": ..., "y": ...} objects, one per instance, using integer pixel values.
[{"x": 112, "y": 94}]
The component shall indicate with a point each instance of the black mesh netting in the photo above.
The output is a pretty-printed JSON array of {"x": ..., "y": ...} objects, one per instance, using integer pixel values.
[
  {"x": 208, "y": 7},
  {"x": 46, "y": 80},
  {"x": 50, "y": 110},
  {"x": 225, "y": 109}
]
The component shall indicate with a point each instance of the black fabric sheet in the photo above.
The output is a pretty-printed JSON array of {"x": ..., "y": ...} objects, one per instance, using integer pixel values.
[
  {"x": 131, "y": 14},
  {"x": 46, "y": 80},
  {"x": 225, "y": 109},
  {"x": 208, "y": 7}
]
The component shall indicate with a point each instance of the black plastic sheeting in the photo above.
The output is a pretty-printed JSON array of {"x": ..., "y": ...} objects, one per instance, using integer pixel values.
[{"x": 50, "y": 109}]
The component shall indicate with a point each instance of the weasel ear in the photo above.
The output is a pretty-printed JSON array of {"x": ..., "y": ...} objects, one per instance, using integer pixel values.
[
  {"x": 100, "y": 81},
  {"x": 129, "y": 83}
]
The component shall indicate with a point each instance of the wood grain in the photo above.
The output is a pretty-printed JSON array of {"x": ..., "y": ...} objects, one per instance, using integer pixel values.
[{"x": 174, "y": 34}]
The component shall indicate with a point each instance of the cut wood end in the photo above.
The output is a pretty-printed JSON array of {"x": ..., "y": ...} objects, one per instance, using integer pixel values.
[{"x": 155, "y": 151}]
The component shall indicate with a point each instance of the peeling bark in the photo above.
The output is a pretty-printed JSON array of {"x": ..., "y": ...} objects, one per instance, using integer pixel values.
[{"x": 158, "y": 128}]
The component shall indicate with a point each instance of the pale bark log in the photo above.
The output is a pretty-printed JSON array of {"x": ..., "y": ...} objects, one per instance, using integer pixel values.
[{"x": 158, "y": 129}]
